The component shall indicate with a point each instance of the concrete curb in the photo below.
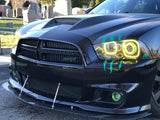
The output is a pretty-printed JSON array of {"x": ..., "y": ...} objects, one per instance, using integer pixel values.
[
  {"x": 4, "y": 65},
  {"x": 5, "y": 50},
  {"x": 5, "y": 60}
]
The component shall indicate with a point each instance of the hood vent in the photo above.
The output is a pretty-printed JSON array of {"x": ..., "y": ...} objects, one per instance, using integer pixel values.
[
  {"x": 60, "y": 21},
  {"x": 69, "y": 21}
]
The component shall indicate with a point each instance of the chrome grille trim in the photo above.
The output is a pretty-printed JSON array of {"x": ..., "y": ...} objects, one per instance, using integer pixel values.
[{"x": 50, "y": 51}]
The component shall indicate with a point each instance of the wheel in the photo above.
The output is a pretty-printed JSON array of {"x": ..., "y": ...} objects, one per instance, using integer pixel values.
[{"x": 155, "y": 101}]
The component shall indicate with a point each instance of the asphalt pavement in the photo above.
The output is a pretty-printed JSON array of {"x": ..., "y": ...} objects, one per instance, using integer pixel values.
[{"x": 13, "y": 109}]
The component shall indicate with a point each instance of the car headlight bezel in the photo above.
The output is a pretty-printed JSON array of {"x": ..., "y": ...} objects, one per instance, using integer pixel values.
[
  {"x": 14, "y": 49},
  {"x": 106, "y": 49},
  {"x": 129, "y": 49},
  {"x": 17, "y": 35}
]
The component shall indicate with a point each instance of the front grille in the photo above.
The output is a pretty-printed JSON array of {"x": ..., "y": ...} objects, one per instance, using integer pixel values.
[
  {"x": 27, "y": 48},
  {"x": 50, "y": 51}
]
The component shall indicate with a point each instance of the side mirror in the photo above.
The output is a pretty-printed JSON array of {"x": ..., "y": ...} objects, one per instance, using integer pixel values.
[{"x": 88, "y": 10}]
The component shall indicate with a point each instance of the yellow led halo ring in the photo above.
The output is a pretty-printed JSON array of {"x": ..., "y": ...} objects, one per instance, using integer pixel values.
[
  {"x": 134, "y": 48},
  {"x": 119, "y": 55},
  {"x": 105, "y": 48},
  {"x": 99, "y": 48},
  {"x": 138, "y": 49}
]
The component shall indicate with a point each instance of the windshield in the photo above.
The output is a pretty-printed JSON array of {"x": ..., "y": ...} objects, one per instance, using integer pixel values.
[{"x": 127, "y": 6}]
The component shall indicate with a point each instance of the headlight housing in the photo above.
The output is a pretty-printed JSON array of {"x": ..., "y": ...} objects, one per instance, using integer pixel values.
[
  {"x": 130, "y": 49},
  {"x": 14, "y": 49},
  {"x": 17, "y": 35}
]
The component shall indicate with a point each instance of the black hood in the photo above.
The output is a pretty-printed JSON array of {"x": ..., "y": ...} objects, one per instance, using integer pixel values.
[{"x": 94, "y": 27}]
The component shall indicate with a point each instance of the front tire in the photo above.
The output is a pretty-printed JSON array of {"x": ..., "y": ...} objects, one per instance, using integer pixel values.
[{"x": 155, "y": 100}]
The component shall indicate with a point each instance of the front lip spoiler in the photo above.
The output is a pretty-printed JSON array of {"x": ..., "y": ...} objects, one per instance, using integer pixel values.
[
  {"x": 62, "y": 108},
  {"x": 35, "y": 99}
]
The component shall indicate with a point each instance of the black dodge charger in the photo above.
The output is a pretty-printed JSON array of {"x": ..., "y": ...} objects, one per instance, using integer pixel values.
[{"x": 103, "y": 64}]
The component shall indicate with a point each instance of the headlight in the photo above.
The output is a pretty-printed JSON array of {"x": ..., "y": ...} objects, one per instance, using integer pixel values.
[
  {"x": 14, "y": 49},
  {"x": 122, "y": 50}
]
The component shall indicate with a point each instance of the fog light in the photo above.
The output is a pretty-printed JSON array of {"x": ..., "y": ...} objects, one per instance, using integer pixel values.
[
  {"x": 14, "y": 72},
  {"x": 116, "y": 96}
]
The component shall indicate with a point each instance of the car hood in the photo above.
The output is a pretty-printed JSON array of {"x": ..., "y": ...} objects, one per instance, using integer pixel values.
[{"x": 94, "y": 27}]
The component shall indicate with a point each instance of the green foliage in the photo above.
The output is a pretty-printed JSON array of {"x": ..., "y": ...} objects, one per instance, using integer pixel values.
[
  {"x": 79, "y": 3},
  {"x": 8, "y": 41},
  {"x": 47, "y": 1},
  {"x": 9, "y": 30},
  {"x": 10, "y": 4},
  {"x": 2, "y": 2},
  {"x": 4, "y": 33},
  {"x": 26, "y": 4},
  {"x": 16, "y": 23},
  {"x": 40, "y": 5},
  {"x": 97, "y": 1},
  {"x": 92, "y": 3},
  {"x": 76, "y": 3},
  {"x": 86, "y": 2}
]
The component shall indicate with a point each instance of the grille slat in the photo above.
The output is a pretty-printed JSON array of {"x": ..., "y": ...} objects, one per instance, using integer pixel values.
[
  {"x": 31, "y": 42},
  {"x": 28, "y": 53},
  {"x": 71, "y": 59},
  {"x": 58, "y": 45},
  {"x": 50, "y": 51}
]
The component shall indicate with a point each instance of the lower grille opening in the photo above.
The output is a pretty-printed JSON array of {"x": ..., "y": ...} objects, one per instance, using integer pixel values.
[
  {"x": 72, "y": 93},
  {"x": 63, "y": 58}
]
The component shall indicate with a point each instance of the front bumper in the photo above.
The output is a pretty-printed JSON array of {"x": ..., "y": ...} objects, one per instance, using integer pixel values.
[{"x": 85, "y": 90}]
